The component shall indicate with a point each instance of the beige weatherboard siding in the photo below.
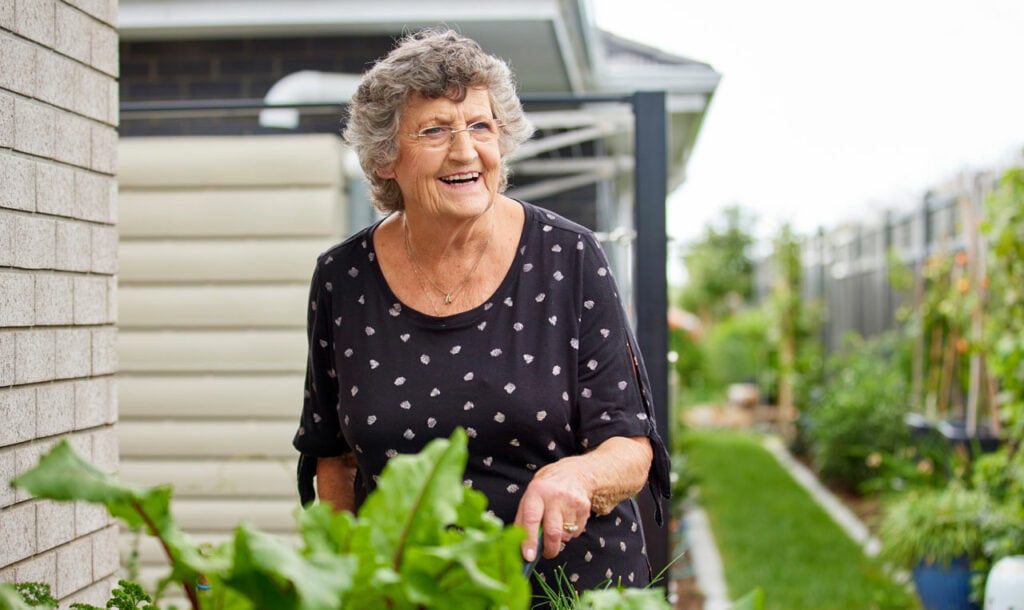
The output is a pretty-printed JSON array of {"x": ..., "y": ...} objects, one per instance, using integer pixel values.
[
  {"x": 58, "y": 266},
  {"x": 219, "y": 236}
]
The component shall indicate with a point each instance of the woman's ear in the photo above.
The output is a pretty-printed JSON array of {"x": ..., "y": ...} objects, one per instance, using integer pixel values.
[{"x": 385, "y": 172}]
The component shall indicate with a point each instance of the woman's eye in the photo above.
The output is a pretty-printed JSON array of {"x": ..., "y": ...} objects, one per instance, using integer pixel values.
[
  {"x": 433, "y": 132},
  {"x": 481, "y": 126}
]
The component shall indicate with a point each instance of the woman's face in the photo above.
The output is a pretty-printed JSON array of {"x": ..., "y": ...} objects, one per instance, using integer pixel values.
[{"x": 458, "y": 178}]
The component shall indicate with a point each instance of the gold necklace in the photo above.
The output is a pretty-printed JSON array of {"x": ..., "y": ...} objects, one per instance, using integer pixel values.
[{"x": 449, "y": 295}]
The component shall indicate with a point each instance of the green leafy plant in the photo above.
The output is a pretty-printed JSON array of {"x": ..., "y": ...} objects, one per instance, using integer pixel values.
[
  {"x": 421, "y": 540},
  {"x": 1005, "y": 318},
  {"x": 126, "y": 596},
  {"x": 623, "y": 599},
  {"x": 860, "y": 411},
  {"x": 934, "y": 526},
  {"x": 35, "y": 595},
  {"x": 738, "y": 350},
  {"x": 561, "y": 595}
]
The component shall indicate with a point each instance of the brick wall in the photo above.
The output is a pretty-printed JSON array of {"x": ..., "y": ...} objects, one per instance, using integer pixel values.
[{"x": 58, "y": 260}]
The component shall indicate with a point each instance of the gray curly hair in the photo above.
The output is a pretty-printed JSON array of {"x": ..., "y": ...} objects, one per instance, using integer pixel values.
[{"x": 433, "y": 64}]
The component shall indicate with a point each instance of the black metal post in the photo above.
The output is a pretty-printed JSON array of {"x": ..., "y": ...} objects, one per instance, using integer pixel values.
[{"x": 650, "y": 280}]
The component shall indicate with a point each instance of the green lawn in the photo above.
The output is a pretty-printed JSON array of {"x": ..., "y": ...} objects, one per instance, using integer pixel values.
[{"x": 772, "y": 534}]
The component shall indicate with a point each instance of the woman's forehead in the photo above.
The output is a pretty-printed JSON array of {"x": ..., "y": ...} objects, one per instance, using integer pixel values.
[{"x": 477, "y": 101}]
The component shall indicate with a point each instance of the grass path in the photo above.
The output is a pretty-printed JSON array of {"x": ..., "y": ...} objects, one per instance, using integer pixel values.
[{"x": 772, "y": 534}]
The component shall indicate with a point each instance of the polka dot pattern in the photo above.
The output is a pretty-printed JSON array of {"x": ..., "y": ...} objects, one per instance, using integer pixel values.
[{"x": 539, "y": 372}]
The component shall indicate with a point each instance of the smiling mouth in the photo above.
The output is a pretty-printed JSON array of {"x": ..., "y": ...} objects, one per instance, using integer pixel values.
[{"x": 465, "y": 178}]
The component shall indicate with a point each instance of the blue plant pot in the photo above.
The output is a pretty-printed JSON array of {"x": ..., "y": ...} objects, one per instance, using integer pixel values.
[{"x": 943, "y": 587}]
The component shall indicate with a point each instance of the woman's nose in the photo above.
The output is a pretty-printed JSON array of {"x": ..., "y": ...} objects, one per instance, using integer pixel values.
[{"x": 462, "y": 144}]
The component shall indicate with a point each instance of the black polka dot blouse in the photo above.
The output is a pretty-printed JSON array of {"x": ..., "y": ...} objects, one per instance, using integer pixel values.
[{"x": 540, "y": 371}]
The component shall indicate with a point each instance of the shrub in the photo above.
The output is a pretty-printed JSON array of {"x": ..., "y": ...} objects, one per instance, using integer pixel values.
[
  {"x": 738, "y": 350},
  {"x": 859, "y": 416}
]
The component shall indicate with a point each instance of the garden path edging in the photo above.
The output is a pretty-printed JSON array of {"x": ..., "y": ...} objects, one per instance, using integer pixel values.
[
  {"x": 707, "y": 563},
  {"x": 843, "y": 516}
]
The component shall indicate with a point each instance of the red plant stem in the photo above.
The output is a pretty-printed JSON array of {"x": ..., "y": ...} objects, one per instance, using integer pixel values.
[{"x": 189, "y": 593}]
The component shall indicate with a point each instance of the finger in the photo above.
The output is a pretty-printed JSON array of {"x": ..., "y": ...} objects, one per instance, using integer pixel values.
[
  {"x": 528, "y": 516},
  {"x": 553, "y": 534}
]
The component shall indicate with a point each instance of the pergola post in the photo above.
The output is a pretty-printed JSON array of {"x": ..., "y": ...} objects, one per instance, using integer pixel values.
[{"x": 650, "y": 280}]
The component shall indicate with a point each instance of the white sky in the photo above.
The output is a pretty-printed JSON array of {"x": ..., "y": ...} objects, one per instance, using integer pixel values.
[{"x": 830, "y": 110}]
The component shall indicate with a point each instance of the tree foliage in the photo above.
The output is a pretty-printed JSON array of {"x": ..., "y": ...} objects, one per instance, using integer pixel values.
[{"x": 720, "y": 269}]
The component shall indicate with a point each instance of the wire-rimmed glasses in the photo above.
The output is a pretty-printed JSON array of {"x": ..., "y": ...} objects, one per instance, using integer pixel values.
[{"x": 483, "y": 132}]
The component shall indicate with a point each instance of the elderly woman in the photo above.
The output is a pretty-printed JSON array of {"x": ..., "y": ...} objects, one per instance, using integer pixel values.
[{"x": 463, "y": 307}]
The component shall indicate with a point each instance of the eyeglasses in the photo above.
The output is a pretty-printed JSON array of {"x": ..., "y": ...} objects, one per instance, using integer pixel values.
[{"x": 483, "y": 132}]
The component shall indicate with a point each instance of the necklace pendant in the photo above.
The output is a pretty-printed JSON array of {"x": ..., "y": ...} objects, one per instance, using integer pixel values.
[{"x": 448, "y": 298}]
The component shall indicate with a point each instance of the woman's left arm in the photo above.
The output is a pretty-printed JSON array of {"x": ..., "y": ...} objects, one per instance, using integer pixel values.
[{"x": 562, "y": 494}]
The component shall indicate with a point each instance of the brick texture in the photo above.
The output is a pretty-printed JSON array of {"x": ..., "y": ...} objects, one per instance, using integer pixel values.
[
  {"x": 18, "y": 412},
  {"x": 74, "y": 567},
  {"x": 18, "y": 531},
  {"x": 90, "y": 299},
  {"x": 34, "y": 19},
  {"x": 73, "y": 33},
  {"x": 6, "y": 358},
  {"x": 104, "y": 249},
  {"x": 74, "y": 353},
  {"x": 58, "y": 260},
  {"x": 75, "y": 245},
  {"x": 34, "y": 356},
  {"x": 16, "y": 299},
  {"x": 105, "y": 448},
  {"x": 35, "y": 240},
  {"x": 104, "y": 351},
  {"x": 17, "y": 64},
  {"x": 7, "y": 15},
  {"x": 96, "y": 594},
  {"x": 73, "y": 140},
  {"x": 105, "y": 552},
  {"x": 7, "y": 471},
  {"x": 56, "y": 74},
  {"x": 19, "y": 179},
  {"x": 55, "y": 408},
  {"x": 34, "y": 127},
  {"x": 90, "y": 517},
  {"x": 55, "y": 189},
  {"x": 55, "y": 524},
  {"x": 42, "y": 568},
  {"x": 6, "y": 121},
  {"x": 53, "y": 304},
  {"x": 91, "y": 403},
  {"x": 92, "y": 193},
  {"x": 6, "y": 238}
]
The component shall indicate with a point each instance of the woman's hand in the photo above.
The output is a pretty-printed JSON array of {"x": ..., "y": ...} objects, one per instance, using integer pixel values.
[
  {"x": 563, "y": 494},
  {"x": 558, "y": 498}
]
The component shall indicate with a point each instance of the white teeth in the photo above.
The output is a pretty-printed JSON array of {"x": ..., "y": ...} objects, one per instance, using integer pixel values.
[{"x": 466, "y": 176}]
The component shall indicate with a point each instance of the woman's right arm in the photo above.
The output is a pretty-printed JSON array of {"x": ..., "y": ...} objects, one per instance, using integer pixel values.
[{"x": 335, "y": 481}]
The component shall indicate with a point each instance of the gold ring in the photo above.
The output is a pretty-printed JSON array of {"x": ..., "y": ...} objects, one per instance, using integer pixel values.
[{"x": 571, "y": 528}]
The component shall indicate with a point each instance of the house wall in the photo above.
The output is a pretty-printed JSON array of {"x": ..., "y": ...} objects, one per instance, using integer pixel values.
[
  {"x": 58, "y": 265},
  {"x": 244, "y": 69},
  {"x": 233, "y": 69},
  {"x": 219, "y": 238}
]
